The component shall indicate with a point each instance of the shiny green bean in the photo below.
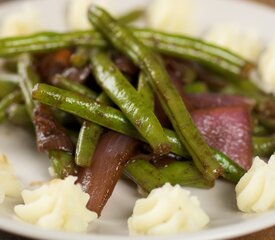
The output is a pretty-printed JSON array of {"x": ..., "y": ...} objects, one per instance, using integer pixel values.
[
  {"x": 148, "y": 177},
  {"x": 62, "y": 163},
  {"x": 88, "y": 138},
  {"x": 125, "y": 96},
  {"x": 217, "y": 59},
  {"x": 7, "y": 101},
  {"x": 264, "y": 146},
  {"x": 145, "y": 91},
  {"x": 87, "y": 141},
  {"x": 28, "y": 79},
  {"x": 232, "y": 171}
]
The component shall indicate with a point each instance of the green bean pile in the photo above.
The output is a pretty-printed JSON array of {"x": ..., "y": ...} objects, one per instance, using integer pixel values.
[{"x": 123, "y": 106}]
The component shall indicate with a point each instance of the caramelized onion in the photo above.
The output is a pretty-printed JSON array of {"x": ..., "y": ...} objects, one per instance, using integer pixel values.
[
  {"x": 52, "y": 63},
  {"x": 112, "y": 153},
  {"x": 124, "y": 64},
  {"x": 50, "y": 135}
]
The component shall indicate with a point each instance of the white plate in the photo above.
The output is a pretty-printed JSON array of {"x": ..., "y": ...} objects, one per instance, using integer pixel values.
[{"x": 219, "y": 202}]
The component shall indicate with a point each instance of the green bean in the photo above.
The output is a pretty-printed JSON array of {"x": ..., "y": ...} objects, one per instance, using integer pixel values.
[
  {"x": 264, "y": 146},
  {"x": 6, "y": 88},
  {"x": 267, "y": 122},
  {"x": 104, "y": 99},
  {"x": 67, "y": 84},
  {"x": 145, "y": 91},
  {"x": 121, "y": 92},
  {"x": 144, "y": 174},
  {"x": 140, "y": 171},
  {"x": 131, "y": 16},
  {"x": 232, "y": 171},
  {"x": 185, "y": 174},
  {"x": 28, "y": 79},
  {"x": 47, "y": 41},
  {"x": 173, "y": 105},
  {"x": 217, "y": 59},
  {"x": 88, "y": 138},
  {"x": 265, "y": 103},
  {"x": 62, "y": 161},
  {"x": 53, "y": 40},
  {"x": 260, "y": 130},
  {"x": 9, "y": 77},
  {"x": 195, "y": 87},
  {"x": 8, "y": 83},
  {"x": 111, "y": 118},
  {"x": 148, "y": 177},
  {"x": 7, "y": 101},
  {"x": 17, "y": 114},
  {"x": 10, "y": 64},
  {"x": 86, "y": 144}
]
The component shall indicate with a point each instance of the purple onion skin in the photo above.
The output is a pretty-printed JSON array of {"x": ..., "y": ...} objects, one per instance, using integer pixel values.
[{"x": 112, "y": 153}]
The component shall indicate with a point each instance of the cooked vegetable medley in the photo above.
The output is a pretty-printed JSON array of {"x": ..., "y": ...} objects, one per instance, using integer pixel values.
[{"x": 152, "y": 106}]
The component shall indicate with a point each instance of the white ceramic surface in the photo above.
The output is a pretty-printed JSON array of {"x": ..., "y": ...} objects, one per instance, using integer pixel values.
[{"x": 219, "y": 202}]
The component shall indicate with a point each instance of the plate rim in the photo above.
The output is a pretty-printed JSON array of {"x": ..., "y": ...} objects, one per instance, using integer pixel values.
[{"x": 236, "y": 230}]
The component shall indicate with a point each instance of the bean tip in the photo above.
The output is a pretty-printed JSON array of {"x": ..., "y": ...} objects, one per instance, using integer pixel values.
[
  {"x": 34, "y": 90},
  {"x": 93, "y": 8}
]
